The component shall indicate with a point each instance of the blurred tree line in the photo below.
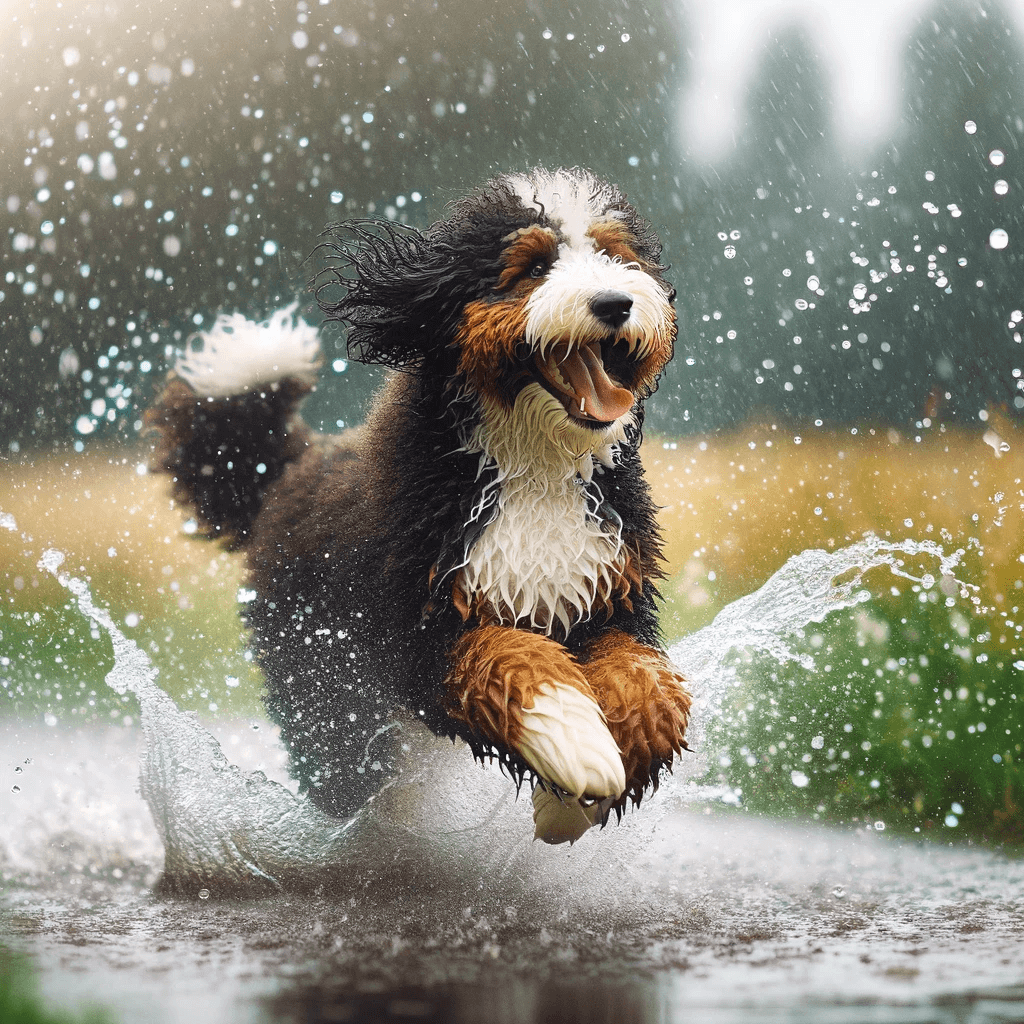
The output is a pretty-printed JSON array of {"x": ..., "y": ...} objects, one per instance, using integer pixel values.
[{"x": 159, "y": 166}]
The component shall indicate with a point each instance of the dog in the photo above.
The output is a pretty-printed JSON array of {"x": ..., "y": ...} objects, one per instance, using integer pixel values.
[{"x": 483, "y": 551}]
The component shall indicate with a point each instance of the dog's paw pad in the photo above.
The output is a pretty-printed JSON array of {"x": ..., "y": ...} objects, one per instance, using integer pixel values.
[
  {"x": 566, "y": 741},
  {"x": 557, "y": 820}
]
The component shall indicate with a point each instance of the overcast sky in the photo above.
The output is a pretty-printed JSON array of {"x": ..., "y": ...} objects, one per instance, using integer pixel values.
[{"x": 860, "y": 43}]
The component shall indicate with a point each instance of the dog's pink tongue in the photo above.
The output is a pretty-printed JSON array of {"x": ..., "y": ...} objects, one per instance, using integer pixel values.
[{"x": 600, "y": 397}]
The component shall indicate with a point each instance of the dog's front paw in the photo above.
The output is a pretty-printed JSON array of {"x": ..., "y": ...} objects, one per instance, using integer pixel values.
[
  {"x": 565, "y": 740},
  {"x": 559, "y": 819}
]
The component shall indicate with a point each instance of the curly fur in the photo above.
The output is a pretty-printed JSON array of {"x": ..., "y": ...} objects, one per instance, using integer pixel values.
[{"x": 484, "y": 550}]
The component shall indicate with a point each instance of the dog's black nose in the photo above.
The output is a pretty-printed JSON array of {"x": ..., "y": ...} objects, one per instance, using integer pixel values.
[{"x": 611, "y": 307}]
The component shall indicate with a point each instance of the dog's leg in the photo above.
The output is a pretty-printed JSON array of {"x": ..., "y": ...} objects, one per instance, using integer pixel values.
[
  {"x": 645, "y": 703},
  {"x": 525, "y": 693}
]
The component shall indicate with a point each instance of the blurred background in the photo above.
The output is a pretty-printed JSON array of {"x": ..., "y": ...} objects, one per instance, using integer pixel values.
[{"x": 837, "y": 186}]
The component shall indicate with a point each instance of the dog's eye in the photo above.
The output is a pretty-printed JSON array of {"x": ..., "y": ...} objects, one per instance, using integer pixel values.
[{"x": 538, "y": 268}]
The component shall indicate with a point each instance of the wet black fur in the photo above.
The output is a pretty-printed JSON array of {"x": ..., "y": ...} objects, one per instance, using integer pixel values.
[{"x": 344, "y": 623}]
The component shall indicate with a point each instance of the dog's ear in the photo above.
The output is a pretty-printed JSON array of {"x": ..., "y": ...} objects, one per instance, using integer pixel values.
[{"x": 395, "y": 288}]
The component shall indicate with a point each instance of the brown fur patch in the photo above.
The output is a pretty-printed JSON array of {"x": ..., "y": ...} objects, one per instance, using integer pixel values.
[
  {"x": 490, "y": 332},
  {"x": 646, "y": 705},
  {"x": 495, "y": 674},
  {"x": 525, "y": 248},
  {"x": 614, "y": 238},
  {"x": 488, "y": 336}
]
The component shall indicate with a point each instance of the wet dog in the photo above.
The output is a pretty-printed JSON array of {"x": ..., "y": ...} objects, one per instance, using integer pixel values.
[{"x": 483, "y": 551}]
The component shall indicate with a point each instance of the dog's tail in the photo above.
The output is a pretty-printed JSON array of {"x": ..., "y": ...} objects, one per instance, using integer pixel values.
[{"x": 226, "y": 419}]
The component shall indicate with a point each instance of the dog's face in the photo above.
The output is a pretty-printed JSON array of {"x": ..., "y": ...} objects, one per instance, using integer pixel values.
[
  {"x": 544, "y": 288},
  {"x": 578, "y": 323}
]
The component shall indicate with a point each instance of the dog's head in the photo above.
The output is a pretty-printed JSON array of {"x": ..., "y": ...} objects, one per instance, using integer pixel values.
[{"x": 540, "y": 296}]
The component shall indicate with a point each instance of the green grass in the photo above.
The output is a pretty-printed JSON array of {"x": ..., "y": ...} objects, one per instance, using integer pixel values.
[
  {"x": 20, "y": 1002},
  {"x": 909, "y": 721}
]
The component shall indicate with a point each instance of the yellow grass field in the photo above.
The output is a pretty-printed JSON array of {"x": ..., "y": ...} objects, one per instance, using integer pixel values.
[{"x": 736, "y": 505}]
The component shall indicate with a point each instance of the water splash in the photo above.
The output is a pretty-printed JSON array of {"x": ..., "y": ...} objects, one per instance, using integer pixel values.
[
  {"x": 443, "y": 825},
  {"x": 808, "y": 588},
  {"x": 221, "y": 828}
]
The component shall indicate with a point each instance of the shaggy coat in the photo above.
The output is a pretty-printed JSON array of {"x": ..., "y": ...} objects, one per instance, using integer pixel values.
[{"x": 483, "y": 550}]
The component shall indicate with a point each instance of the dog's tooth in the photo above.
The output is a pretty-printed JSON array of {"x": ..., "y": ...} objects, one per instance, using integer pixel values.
[{"x": 556, "y": 376}]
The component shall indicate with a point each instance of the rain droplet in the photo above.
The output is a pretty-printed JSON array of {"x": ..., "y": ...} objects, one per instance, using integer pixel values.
[
  {"x": 970, "y": 127},
  {"x": 998, "y": 239},
  {"x": 204, "y": 894},
  {"x": 799, "y": 779},
  {"x": 1001, "y": 187},
  {"x": 730, "y": 252},
  {"x": 996, "y": 157},
  {"x": 839, "y": 892}
]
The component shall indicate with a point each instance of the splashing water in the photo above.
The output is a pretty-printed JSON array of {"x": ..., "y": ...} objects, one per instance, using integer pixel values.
[
  {"x": 442, "y": 824},
  {"x": 803, "y": 591},
  {"x": 219, "y": 827}
]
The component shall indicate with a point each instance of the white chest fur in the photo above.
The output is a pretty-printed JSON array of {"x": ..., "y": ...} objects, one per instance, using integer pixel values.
[{"x": 545, "y": 560}]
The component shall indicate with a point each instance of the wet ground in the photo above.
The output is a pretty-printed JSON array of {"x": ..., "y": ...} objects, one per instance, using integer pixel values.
[{"x": 688, "y": 911}]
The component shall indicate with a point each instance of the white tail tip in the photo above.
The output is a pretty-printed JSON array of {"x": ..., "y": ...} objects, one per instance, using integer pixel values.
[{"x": 240, "y": 355}]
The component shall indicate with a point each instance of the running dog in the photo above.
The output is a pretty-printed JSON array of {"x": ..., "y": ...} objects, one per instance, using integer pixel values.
[{"x": 483, "y": 551}]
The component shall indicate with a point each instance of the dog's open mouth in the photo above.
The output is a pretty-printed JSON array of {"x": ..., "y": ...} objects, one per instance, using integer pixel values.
[{"x": 577, "y": 377}]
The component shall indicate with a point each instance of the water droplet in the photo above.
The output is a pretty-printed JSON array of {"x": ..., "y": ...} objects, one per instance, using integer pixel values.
[
  {"x": 15, "y": 789},
  {"x": 996, "y": 157},
  {"x": 730, "y": 252},
  {"x": 1001, "y": 187},
  {"x": 269, "y": 248},
  {"x": 952, "y": 821},
  {"x": 970, "y": 127},
  {"x": 204, "y": 894},
  {"x": 172, "y": 245},
  {"x": 879, "y": 826},
  {"x": 998, "y": 239},
  {"x": 817, "y": 742},
  {"x": 839, "y": 892},
  {"x": 799, "y": 779}
]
